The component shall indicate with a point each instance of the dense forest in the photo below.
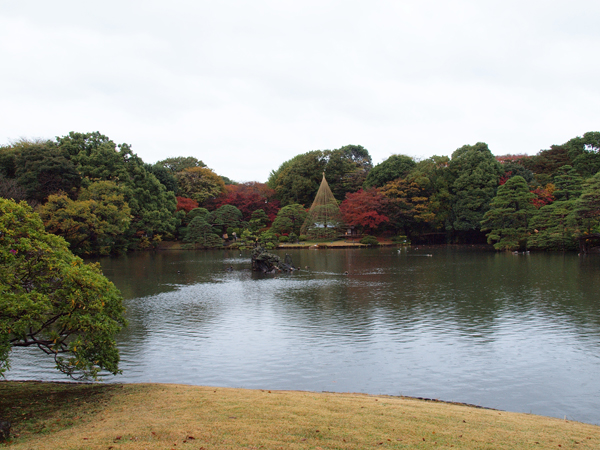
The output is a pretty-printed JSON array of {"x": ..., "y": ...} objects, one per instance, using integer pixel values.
[{"x": 104, "y": 199}]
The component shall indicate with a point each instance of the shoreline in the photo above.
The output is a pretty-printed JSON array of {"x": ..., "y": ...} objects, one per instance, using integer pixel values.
[{"x": 64, "y": 414}]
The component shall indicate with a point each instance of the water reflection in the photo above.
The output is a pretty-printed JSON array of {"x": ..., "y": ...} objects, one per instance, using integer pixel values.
[{"x": 519, "y": 333}]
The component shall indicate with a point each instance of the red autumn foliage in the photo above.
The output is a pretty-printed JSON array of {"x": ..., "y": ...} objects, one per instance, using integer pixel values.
[
  {"x": 364, "y": 209},
  {"x": 504, "y": 178},
  {"x": 248, "y": 197},
  {"x": 186, "y": 204},
  {"x": 544, "y": 197}
]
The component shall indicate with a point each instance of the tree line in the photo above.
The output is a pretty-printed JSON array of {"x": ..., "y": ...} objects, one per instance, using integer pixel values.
[
  {"x": 83, "y": 194},
  {"x": 103, "y": 199}
]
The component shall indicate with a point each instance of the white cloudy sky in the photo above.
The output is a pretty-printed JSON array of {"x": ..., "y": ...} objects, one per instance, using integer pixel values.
[{"x": 246, "y": 85}]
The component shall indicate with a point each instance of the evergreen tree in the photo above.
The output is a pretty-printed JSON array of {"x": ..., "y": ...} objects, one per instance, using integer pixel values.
[
  {"x": 584, "y": 151},
  {"x": 298, "y": 179},
  {"x": 98, "y": 158},
  {"x": 289, "y": 219},
  {"x": 508, "y": 216},
  {"x": 200, "y": 232},
  {"x": 92, "y": 225},
  {"x": 552, "y": 227},
  {"x": 258, "y": 220},
  {"x": 42, "y": 169},
  {"x": 587, "y": 208},
  {"x": 396, "y": 166},
  {"x": 225, "y": 217},
  {"x": 474, "y": 172},
  {"x": 53, "y": 301},
  {"x": 567, "y": 182}
]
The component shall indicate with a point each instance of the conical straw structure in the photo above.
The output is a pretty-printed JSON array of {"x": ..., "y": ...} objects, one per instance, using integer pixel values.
[{"x": 324, "y": 217}]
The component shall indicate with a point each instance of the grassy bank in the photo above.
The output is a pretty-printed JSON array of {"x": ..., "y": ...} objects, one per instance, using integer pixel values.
[{"x": 155, "y": 416}]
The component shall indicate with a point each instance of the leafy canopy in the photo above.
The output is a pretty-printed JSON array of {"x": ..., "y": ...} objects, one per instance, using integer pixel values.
[
  {"x": 396, "y": 166},
  {"x": 365, "y": 209},
  {"x": 52, "y": 300},
  {"x": 200, "y": 184},
  {"x": 289, "y": 219},
  {"x": 298, "y": 179},
  {"x": 474, "y": 174}
]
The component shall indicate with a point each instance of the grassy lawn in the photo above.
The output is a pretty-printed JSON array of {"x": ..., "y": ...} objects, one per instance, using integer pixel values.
[{"x": 163, "y": 416}]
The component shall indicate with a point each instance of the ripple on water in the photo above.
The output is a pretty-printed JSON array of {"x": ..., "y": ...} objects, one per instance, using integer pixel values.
[{"x": 470, "y": 327}]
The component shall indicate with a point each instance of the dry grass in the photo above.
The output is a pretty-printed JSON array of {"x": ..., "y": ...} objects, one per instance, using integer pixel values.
[{"x": 152, "y": 416}]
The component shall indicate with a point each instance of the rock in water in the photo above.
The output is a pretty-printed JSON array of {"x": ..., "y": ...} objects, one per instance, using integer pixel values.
[{"x": 265, "y": 262}]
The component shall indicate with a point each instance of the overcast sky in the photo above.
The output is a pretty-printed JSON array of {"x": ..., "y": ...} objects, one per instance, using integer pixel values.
[{"x": 246, "y": 85}]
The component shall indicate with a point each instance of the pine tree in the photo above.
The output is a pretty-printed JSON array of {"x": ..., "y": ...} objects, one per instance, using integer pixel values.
[
  {"x": 587, "y": 213},
  {"x": 508, "y": 216}
]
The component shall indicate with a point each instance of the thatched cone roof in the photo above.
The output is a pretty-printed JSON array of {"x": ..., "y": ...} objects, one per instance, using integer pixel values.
[{"x": 324, "y": 217}]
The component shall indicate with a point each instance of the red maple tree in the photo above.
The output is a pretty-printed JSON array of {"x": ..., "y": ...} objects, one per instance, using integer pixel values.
[
  {"x": 248, "y": 197},
  {"x": 544, "y": 197},
  {"x": 364, "y": 209},
  {"x": 186, "y": 204}
]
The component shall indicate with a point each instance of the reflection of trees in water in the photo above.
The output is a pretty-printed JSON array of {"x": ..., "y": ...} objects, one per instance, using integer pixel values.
[
  {"x": 469, "y": 293},
  {"x": 477, "y": 291}
]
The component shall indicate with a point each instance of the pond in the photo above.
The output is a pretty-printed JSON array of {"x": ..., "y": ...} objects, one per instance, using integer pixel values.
[{"x": 513, "y": 332}]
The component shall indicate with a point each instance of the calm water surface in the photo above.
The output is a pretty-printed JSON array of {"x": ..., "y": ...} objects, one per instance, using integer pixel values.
[{"x": 518, "y": 333}]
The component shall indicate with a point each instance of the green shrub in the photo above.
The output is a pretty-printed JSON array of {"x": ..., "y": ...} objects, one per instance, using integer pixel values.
[
  {"x": 369, "y": 240},
  {"x": 213, "y": 241},
  {"x": 268, "y": 237},
  {"x": 302, "y": 238},
  {"x": 284, "y": 239}
]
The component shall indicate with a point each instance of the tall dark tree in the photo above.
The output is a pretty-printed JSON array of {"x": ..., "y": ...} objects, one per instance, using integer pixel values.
[
  {"x": 42, "y": 169},
  {"x": 512, "y": 169},
  {"x": 584, "y": 151},
  {"x": 99, "y": 158},
  {"x": 179, "y": 163},
  {"x": 8, "y": 161},
  {"x": 227, "y": 216},
  {"x": 509, "y": 214},
  {"x": 298, "y": 179},
  {"x": 347, "y": 169},
  {"x": 587, "y": 208},
  {"x": 567, "y": 182},
  {"x": 553, "y": 227},
  {"x": 289, "y": 219},
  {"x": 396, "y": 166},
  {"x": 165, "y": 176},
  {"x": 545, "y": 164},
  {"x": 475, "y": 173},
  {"x": 200, "y": 232}
]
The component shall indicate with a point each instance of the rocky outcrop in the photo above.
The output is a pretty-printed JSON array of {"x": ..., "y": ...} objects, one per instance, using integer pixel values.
[{"x": 265, "y": 262}]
